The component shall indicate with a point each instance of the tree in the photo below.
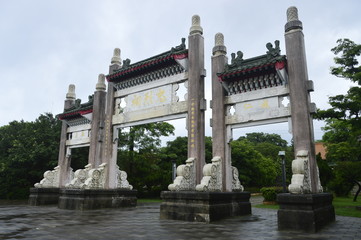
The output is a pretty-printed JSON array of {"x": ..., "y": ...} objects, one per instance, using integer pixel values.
[
  {"x": 254, "y": 169},
  {"x": 326, "y": 173},
  {"x": 345, "y": 175},
  {"x": 139, "y": 155},
  {"x": 27, "y": 150},
  {"x": 343, "y": 122},
  {"x": 140, "y": 138},
  {"x": 269, "y": 146},
  {"x": 260, "y": 137},
  {"x": 348, "y": 66}
]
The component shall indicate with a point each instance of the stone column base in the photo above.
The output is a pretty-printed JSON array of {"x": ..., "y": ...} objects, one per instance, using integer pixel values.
[
  {"x": 43, "y": 196},
  {"x": 87, "y": 199},
  {"x": 203, "y": 206},
  {"x": 305, "y": 212}
]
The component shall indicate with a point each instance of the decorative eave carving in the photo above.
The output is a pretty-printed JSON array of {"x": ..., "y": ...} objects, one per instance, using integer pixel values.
[
  {"x": 240, "y": 67},
  {"x": 153, "y": 64},
  {"x": 78, "y": 110},
  {"x": 243, "y": 75}
]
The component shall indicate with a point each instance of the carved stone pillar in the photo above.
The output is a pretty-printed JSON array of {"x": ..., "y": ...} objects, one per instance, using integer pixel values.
[
  {"x": 97, "y": 126},
  {"x": 110, "y": 147},
  {"x": 63, "y": 159},
  {"x": 219, "y": 132},
  {"x": 196, "y": 101},
  {"x": 302, "y": 125}
]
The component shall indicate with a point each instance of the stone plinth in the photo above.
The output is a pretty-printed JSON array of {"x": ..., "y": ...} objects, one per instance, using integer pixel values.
[
  {"x": 203, "y": 206},
  {"x": 305, "y": 212},
  {"x": 43, "y": 196},
  {"x": 87, "y": 199}
]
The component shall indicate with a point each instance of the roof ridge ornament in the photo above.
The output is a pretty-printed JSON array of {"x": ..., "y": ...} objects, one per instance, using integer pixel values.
[
  {"x": 237, "y": 60},
  {"x": 180, "y": 47},
  {"x": 116, "y": 57},
  {"x": 126, "y": 63},
  {"x": 273, "y": 51},
  {"x": 77, "y": 103},
  {"x": 196, "y": 26}
]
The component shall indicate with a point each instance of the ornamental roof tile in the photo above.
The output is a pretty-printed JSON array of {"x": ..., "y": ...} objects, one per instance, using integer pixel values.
[
  {"x": 150, "y": 64},
  {"x": 240, "y": 67},
  {"x": 78, "y": 109}
]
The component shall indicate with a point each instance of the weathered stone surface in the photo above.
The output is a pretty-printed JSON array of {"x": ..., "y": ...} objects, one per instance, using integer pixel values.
[
  {"x": 185, "y": 180},
  {"x": 50, "y": 180},
  {"x": 305, "y": 212},
  {"x": 302, "y": 124},
  {"x": 204, "y": 206},
  {"x": 196, "y": 106},
  {"x": 212, "y": 176},
  {"x": 87, "y": 199},
  {"x": 43, "y": 196}
]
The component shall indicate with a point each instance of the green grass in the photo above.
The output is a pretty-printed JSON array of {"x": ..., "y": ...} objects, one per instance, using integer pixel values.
[
  {"x": 269, "y": 206},
  {"x": 346, "y": 207},
  {"x": 343, "y": 207}
]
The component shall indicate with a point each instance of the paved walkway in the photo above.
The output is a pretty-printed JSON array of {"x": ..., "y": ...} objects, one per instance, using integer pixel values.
[{"x": 142, "y": 222}]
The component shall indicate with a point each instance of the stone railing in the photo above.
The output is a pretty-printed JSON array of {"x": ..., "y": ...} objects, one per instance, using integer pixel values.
[
  {"x": 212, "y": 176},
  {"x": 122, "y": 181},
  {"x": 236, "y": 184},
  {"x": 96, "y": 178},
  {"x": 80, "y": 176},
  {"x": 185, "y": 179},
  {"x": 50, "y": 180}
]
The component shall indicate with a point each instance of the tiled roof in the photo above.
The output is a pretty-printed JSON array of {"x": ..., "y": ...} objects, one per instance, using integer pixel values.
[
  {"x": 240, "y": 67},
  {"x": 153, "y": 63},
  {"x": 77, "y": 110}
]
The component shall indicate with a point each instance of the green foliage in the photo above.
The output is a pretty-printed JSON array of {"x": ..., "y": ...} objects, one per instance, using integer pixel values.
[
  {"x": 254, "y": 169},
  {"x": 140, "y": 156},
  {"x": 268, "y": 145},
  {"x": 326, "y": 173},
  {"x": 27, "y": 150},
  {"x": 343, "y": 123},
  {"x": 345, "y": 175},
  {"x": 144, "y": 137},
  {"x": 348, "y": 66},
  {"x": 270, "y": 193},
  {"x": 79, "y": 158},
  {"x": 260, "y": 137}
]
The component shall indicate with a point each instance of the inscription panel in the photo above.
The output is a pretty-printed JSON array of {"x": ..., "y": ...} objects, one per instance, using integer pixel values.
[
  {"x": 258, "y": 110},
  {"x": 148, "y": 99},
  {"x": 167, "y": 112},
  {"x": 258, "y": 94},
  {"x": 78, "y": 135}
]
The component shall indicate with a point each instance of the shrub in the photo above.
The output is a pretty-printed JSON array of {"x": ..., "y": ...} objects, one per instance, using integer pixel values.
[
  {"x": 252, "y": 189},
  {"x": 270, "y": 193}
]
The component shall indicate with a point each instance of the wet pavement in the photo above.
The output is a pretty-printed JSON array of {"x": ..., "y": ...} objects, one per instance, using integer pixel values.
[{"x": 142, "y": 222}]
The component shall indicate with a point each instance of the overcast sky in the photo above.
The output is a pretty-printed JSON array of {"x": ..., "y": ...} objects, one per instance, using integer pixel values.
[{"x": 47, "y": 45}]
